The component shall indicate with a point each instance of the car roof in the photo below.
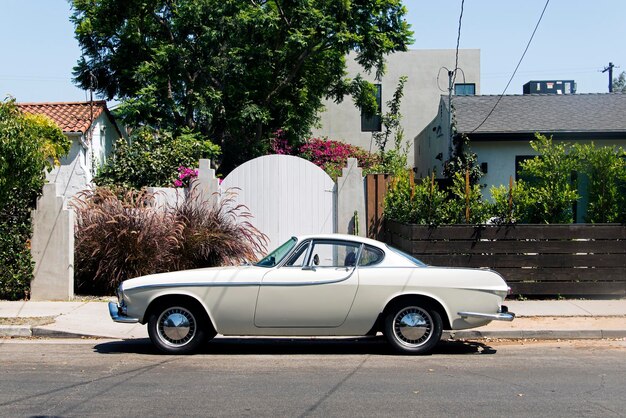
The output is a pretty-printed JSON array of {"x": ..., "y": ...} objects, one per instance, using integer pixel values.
[{"x": 345, "y": 237}]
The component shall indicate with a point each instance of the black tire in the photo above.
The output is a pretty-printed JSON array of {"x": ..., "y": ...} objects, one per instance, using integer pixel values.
[
  {"x": 178, "y": 327},
  {"x": 413, "y": 328}
]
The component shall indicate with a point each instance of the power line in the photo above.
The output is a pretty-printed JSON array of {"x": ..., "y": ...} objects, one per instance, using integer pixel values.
[{"x": 514, "y": 71}]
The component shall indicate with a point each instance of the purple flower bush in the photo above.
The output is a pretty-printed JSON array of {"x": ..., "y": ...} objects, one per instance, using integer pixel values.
[
  {"x": 280, "y": 145},
  {"x": 332, "y": 156},
  {"x": 185, "y": 176}
]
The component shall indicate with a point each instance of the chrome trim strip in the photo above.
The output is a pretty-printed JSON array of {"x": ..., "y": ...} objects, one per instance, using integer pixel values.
[
  {"x": 237, "y": 284},
  {"x": 502, "y": 316},
  {"x": 117, "y": 316}
]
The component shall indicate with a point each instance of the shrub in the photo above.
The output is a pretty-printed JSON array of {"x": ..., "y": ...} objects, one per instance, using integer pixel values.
[
  {"x": 121, "y": 235},
  {"x": 425, "y": 203},
  {"x": 419, "y": 203},
  {"x": 120, "y": 238},
  {"x": 605, "y": 167},
  {"x": 16, "y": 265},
  {"x": 547, "y": 193},
  {"x": 331, "y": 156},
  {"x": 216, "y": 234},
  {"x": 465, "y": 203},
  {"x": 29, "y": 145},
  {"x": 152, "y": 158},
  {"x": 185, "y": 176}
]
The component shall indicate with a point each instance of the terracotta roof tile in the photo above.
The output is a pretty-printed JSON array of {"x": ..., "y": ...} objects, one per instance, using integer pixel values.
[{"x": 70, "y": 116}]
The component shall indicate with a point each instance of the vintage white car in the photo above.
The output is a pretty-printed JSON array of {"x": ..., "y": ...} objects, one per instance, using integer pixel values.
[{"x": 323, "y": 285}]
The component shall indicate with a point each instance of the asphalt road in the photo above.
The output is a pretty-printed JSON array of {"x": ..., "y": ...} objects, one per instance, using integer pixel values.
[{"x": 296, "y": 378}]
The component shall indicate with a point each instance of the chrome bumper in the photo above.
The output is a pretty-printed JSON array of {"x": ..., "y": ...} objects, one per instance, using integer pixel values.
[
  {"x": 118, "y": 316},
  {"x": 503, "y": 315}
]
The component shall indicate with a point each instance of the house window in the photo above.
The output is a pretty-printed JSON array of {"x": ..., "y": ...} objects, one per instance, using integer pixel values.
[
  {"x": 465, "y": 89},
  {"x": 372, "y": 123},
  {"x": 519, "y": 159}
]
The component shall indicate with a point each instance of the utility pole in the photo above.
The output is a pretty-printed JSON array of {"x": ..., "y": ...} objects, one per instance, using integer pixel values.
[
  {"x": 450, "y": 76},
  {"x": 610, "y": 70}
]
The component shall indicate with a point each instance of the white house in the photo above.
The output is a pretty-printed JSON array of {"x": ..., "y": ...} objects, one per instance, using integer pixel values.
[
  {"x": 500, "y": 129},
  {"x": 93, "y": 132}
]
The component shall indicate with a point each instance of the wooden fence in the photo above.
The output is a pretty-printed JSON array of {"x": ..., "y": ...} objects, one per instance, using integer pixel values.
[
  {"x": 575, "y": 259},
  {"x": 375, "y": 190}
]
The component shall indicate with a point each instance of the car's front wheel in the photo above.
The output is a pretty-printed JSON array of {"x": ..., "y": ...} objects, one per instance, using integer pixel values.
[
  {"x": 413, "y": 328},
  {"x": 178, "y": 327}
]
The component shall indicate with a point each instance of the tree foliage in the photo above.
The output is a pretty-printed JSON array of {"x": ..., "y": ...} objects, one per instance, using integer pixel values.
[
  {"x": 605, "y": 169},
  {"x": 233, "y": 70},
  {"x": 551, "y": 192},
  {"x": 619, "y": 82},
  {"x": 152, "y": 158},
  {"x": 394, "y": 160},
  {"x": 29, "y": 145},
  {"x": 419, "y": 202}
]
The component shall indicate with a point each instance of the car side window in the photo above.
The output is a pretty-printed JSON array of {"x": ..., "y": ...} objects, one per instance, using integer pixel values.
[
  {"x": 371, "y": 256},
  {"x": 334, "y": 254},
  {"x": 299, "y": 257}
]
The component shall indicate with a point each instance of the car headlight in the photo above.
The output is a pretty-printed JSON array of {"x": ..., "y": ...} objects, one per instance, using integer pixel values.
[{"x": 121, "y": 302}]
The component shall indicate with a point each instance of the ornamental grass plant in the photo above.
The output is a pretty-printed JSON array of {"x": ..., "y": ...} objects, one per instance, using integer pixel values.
[
  {"x": 121, "y": 234},
  {"x": 216, "y": 232}
]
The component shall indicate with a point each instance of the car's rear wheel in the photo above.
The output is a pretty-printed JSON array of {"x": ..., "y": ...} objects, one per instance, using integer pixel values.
[
  {"x": 413, "y": 328},
  {"x": 178, "y": 327}
]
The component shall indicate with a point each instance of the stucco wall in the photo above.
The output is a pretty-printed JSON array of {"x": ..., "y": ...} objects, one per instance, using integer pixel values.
[
  {"x": 78, "y": 168},
  {"x": 431, "y": 142},
  {"x": 72, "y": 175},
  {"x": 421, "y": 94}
]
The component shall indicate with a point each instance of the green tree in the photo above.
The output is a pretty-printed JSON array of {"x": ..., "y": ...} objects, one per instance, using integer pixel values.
[
  {"x": 29, "y": 145},
  {"x": 235, "y": 71},
  {"x": 462, "y": 160},
  {"x": 546, "y": 192},
  {"x": 394, "y": 160},
  {"x": 151, "y": 158},
  {"x": 465, "y": 202},
  {"x": 619, "y": 82},
  {"x": 605, "y": 167}
]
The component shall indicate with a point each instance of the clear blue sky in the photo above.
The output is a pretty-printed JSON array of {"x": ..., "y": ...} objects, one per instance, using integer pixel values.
[{"x": 576, "y": 40}]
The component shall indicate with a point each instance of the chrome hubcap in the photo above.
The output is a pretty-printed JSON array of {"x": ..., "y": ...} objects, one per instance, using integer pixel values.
[
  {"x": 176, "y": 326},
  {"x": 412, "y": 326}
]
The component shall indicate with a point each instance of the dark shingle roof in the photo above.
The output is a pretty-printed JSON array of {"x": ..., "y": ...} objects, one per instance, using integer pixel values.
[{"x": 542, "y": 113}]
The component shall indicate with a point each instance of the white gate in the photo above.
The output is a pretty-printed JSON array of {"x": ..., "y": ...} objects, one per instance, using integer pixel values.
[{"x": 287, "y": 196}]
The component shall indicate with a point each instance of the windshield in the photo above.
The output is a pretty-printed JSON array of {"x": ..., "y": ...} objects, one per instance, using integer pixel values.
[
  {"x": 408, "y": 257},
  {"x": 277, "y": 255}
]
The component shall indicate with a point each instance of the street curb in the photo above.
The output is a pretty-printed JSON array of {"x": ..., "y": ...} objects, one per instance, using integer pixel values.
[
  {"x": 15, "y": 331},
  {"x": 26, "y": 331},
  {"x": 538, "y": 334},
  {"x": 53, "y": 333}
]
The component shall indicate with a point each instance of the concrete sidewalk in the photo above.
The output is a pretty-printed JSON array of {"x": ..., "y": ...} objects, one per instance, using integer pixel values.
[{"x": 543, "y": 319}]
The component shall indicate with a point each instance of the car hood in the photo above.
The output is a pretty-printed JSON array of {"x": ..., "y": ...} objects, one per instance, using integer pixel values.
[{"x": 232, "y": 275}]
